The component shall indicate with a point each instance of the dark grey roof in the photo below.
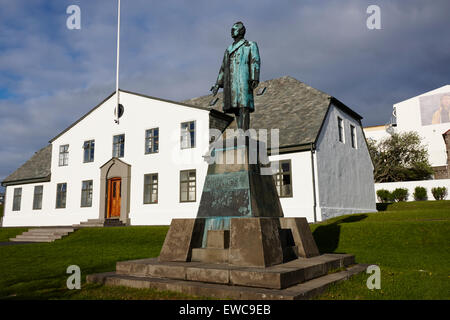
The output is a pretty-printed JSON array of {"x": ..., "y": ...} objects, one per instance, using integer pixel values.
[
  {"x": 36, "y": 169},
  {"x": 295, "y": 108}
]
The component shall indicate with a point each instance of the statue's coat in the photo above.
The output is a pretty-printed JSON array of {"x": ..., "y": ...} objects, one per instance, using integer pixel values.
[{"x": 240, "y": 66}]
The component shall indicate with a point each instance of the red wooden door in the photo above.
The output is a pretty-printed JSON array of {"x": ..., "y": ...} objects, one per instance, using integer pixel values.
[{"x": 114, "y": 197}]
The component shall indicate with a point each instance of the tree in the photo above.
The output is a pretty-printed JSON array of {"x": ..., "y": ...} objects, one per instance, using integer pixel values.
[{"x": 400, "y": 157}]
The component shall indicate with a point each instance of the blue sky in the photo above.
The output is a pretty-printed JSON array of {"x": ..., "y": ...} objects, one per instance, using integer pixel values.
[{"x": 50, "y": 76}]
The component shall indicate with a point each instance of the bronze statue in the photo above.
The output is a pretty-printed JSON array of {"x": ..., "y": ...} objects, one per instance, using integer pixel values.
[{"x": 239, "y": 76}]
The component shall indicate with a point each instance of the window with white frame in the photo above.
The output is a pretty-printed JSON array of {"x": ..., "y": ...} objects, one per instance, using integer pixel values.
[
  {"x": 283, "y": 179},
  {"x": 188, "y": 135},
  {"x": 86, "y": 193},
  {"x": 17, "y": 199},
  {"x": 64, "y": 155},
  {"x": 37, "y": 198},
  {"x": 119, "y": 146},
  {"x": 188, "y": 188},
  {"x": 89, "y": 149},
  {"x": 152, "y": 140},
  {"x": 61, "y": 191},
  {"x": 151, "y": 188}
]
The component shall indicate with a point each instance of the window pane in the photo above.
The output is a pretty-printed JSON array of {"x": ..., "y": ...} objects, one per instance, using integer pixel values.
[
  {"x": 37, "y": 199},
  {"x": 188, "y": 135},
  {"x": 147, "y": 194},
  {"x": 61, "y": 189},
  {"x": 285, "y": 167},
  {"x": 17, "y": 199},
  {"x": 184, "y": 195}
]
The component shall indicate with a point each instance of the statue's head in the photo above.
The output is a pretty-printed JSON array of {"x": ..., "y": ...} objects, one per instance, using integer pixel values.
[{"x": 238, "y": 30}]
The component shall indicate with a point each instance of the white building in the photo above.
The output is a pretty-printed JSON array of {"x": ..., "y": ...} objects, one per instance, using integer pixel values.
[
  {"x": 148, "y": 168},
  {"x": 423, "y": 115}
]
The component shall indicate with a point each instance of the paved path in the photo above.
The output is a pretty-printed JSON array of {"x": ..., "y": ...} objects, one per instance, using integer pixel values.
[{"x": 4, "y": 244}]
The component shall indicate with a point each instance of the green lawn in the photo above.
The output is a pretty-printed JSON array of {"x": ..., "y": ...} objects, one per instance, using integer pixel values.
[{"x": 409, "y": 241}]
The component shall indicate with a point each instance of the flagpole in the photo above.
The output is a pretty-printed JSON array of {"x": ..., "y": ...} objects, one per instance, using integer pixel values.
[{"x": 117, "y": 66}]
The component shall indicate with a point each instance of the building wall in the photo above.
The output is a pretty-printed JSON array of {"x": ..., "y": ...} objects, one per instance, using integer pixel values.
[
  {"x": 301, "y": 203},
  {"x": 409, "y": 118},
  {"x": 345, "y": 174},
  {"x": 140, "y": 114},
  {"x": 411, "y": 185}
]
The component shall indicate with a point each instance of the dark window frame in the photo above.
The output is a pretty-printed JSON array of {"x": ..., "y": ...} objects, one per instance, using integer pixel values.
[
  {"x": 149, "y": 186},
  {"x": 191, "y": 134},
  {"x": 188, "y": 183},
  {"x": 279, "y": 177},
  {"x": 89, "y": 146},
  {"x": 87, "y": 193},
  {"x": 61, "y": 196},
  {"x": 37, "y": 197},
  {"x": 17, "y": 195},
  {"x": 116, "y": 146},
  {"x": 341, "y": 131},
  {"x": 64, "y": 152},
  {"x": 353, "y": 136},
  {"x": 152, "y": 140}
]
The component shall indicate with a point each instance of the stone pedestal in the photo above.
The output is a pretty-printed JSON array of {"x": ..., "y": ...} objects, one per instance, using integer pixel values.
[{"x": 238, "y": 220}]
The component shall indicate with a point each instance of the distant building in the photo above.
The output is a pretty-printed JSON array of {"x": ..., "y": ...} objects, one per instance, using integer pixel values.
[
  {"x": 2, "y": 198},
  {"x": 429, "y": 115},
  {"x": 149, "y": 168}
]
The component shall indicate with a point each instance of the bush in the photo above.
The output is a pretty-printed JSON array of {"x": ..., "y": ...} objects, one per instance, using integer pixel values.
[
  {"x": 439, "y": 193},
  {"x": 420, "y": 194},
  {"x": 384, "y": 196},
  {"x": 400, "y": 194}
]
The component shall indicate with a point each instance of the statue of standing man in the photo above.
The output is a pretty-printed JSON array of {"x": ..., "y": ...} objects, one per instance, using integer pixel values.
[{"x": 239, "y": 76}]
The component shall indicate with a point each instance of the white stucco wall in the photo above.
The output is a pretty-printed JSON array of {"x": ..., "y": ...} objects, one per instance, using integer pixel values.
[
  {"x": 140, "y": 114},
  {"x": 345, "y": 174},
  {"x": 376, "y": 133},
  {"x": 301, "y": 203},
  {"x": 411, "y": 185},
  {"x": 408, "y": 116}
]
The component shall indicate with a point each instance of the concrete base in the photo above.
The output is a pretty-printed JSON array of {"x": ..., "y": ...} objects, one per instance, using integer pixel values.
[
  {"x": 257, "y": 242},
  {"x": 297, "y": 279}
]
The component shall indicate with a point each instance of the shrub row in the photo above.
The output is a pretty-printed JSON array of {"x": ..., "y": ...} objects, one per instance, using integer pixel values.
[{"x": 402, "y": 194}]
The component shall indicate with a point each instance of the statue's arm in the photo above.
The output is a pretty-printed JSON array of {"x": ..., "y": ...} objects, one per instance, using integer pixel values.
[
  {"x": 255, "y": 62},
  {"x": 219, "y": 81}
]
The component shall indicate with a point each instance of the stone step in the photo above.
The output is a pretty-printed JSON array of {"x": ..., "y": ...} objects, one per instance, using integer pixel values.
[
  {"x": 53, "y": 230},
  {"x": 42, "y": 235},
  {"x": 47, "y": 233},
  {"x": 34, "y": 236},
  {"x": 275, "y": 277},
  {"x": 210, "y": 255},
  {"x": 97, "y": 223},
  {"x": 306, "y": 290},
  {"x": 31, "y": 239}
]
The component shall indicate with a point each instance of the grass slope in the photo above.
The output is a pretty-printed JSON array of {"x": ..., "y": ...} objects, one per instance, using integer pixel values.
[{"x": 409, "y": 242}]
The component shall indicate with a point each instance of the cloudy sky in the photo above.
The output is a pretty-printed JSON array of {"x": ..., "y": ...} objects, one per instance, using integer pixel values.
[{"x": 50, "y": 75}]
